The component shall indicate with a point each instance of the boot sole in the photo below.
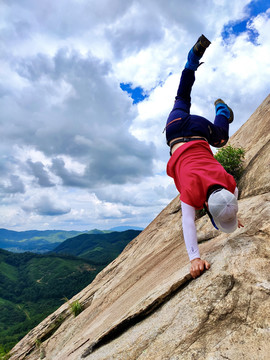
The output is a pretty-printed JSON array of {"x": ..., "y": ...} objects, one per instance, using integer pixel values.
[
  {"x": 201, "y": 45},
  {"x": 230, "y": 120},
  {"x": 204, "y": 41}
]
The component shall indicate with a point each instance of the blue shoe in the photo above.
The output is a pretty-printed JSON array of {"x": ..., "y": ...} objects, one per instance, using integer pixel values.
[
  {"x": 224, "y": 109},
  {"x": 195, "y": 54}
]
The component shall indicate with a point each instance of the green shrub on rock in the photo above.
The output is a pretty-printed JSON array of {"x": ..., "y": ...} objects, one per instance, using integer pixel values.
[{"x": 232, "y": 160}]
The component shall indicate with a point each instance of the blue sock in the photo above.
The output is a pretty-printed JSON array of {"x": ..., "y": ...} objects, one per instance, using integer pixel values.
[
  {"x": 193, "y": 61},
  {"x": 222, "y": 109}
]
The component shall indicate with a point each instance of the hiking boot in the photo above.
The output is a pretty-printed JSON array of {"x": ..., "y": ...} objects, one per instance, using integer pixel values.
[
  {"x": 196, "y": 52},
  {"x": 201, "y": 45},
  {"x": 223, "y": 109}
]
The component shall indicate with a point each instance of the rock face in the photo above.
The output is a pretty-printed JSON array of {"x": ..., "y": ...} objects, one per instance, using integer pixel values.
[{"x": 145, "y": 305}]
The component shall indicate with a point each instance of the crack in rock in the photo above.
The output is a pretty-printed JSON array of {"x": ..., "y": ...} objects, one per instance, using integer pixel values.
[{"x": 135, "y": 318}]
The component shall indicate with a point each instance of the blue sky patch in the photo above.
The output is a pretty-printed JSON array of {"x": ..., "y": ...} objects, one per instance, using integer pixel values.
[
  {"x": 253, "y": 9},
  {"x": 137, "y": 93}
]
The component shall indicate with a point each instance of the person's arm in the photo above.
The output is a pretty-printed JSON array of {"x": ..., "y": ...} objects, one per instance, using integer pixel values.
[
  {"x": 190, "y": 237},
  {"x": 189, "y": 231}
]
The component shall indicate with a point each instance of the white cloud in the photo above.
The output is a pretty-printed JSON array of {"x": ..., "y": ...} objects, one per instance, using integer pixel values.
[{"x": 74, "y": 151}]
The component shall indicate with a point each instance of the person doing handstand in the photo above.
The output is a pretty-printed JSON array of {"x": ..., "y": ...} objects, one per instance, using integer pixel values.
[{"x": 200, "y": 179}]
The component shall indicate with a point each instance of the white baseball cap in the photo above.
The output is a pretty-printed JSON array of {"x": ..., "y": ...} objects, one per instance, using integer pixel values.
[{"x": 223, "y": 207}]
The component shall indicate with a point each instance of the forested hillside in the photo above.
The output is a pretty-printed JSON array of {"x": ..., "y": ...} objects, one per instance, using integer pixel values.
[
  {"x": 32, "y": 286},
  {"x": 98, "y": 248}
]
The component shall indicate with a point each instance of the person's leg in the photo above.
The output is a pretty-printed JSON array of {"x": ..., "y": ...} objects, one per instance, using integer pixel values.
[
  {"x": 224, "y": 116},
  {"x": 183, "y": 97},
  {"x": 217, "y": 134},
  {"x": 176, "y": 125},
  {"x": 214, "y": 133}
]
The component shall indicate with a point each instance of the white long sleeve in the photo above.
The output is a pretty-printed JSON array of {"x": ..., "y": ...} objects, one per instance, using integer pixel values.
[{"x": 189, "y": 231}]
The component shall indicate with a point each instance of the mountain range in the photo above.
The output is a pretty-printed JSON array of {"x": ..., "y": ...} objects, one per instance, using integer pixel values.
[
  {"x": 38, "y": 241},
  {"x": 34, "y": 285},
  {"x": 33, "y": 240}
]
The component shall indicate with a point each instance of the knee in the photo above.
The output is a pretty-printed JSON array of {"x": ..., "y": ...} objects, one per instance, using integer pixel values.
[
  {"x": 220, "y": 137},
  {"x": 220, "y": 143}
]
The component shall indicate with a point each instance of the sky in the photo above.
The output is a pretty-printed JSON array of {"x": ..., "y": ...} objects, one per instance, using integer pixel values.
[{"x": 86, "y": 87}]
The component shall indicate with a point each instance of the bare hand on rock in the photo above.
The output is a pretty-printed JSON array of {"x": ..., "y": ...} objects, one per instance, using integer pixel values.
[{"x": 198, "y": 266}]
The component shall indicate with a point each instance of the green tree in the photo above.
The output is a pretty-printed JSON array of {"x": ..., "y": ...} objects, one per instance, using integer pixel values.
[{"x": 232, "y": 159}]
